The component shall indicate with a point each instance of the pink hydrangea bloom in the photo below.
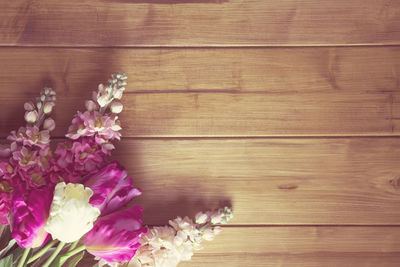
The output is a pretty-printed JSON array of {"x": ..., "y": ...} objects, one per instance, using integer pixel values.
[
  {"x": 112, "y": 188},
  {"x": 30, "y": 211},
  {"x": 115, "y": 237}
]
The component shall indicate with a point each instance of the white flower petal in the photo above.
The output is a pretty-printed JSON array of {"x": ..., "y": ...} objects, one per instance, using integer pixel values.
[{"x": 71, "y": 215}]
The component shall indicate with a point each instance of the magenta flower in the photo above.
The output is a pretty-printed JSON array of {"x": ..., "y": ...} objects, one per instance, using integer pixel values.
[
  {"x": 112, "y": 188},
  {"x": 93, "y": 123},
  {"x": 29, "y": 136},
  {"x": 29, "y": 215},
  {"x": 76, "y": 159},
  {"x": 115, "y": 237},
  {"x": 5, "y": 205}
]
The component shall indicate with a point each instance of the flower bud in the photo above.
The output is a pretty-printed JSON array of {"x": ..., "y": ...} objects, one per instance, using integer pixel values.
[
  {"x": 102, "y": 100},
  {"x": 116, "y": 107},
  {"x": 94, "y": 96},
  {"x": 208, "y": 234},
  {"x": 90, "y": 105},
  {"x": 118, "y": 94},
  {"x": 31, "y": 116},
  {"x": 216, "y": 218},
  {"x": 49, "y": 124},
  {"x": 101, "y": 88},
  {"x": 29, "y": 106},
  {"x": 201, "y": 218},
  {"x": 47, "y": 108}
]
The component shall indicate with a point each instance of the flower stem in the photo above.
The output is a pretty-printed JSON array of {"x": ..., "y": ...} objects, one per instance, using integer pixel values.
[
  {"x": 42, "y": 251},
  {"x": 54, "y": 255},
  {"x": 205, "y": 226},
  {"x": 23, "y": 258},
  {"x": 64, "y": 258},
  {"x": 73, "y": 245}
]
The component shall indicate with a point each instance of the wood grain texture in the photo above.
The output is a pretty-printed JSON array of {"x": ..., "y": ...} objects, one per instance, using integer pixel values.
[
  {"x": 301, "y": 246},
  {"x": 225, "y": 115},
  {"x": 316, "y": 259},
  {"x": 217, "y": 92},
  {"x": 198, "y": 22},
  {"x": 333, "y": 181},
  {"x": 232, "y": 70},
  {"x": 298, "y": 246},
  {"x": 258, "y": 104}
]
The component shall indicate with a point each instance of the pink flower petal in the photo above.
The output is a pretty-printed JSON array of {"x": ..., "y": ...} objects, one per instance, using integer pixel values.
[
  {"x": 29, "y": 215},
  {"x": 115, "y": 237},
  {"x": 112, "y": 189}
]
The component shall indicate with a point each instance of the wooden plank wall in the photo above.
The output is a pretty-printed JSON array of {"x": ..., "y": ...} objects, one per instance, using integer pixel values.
[{"x": 289, "y": 110}]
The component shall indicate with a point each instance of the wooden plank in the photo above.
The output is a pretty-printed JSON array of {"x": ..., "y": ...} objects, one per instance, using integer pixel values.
[
  {"x": 303, "y": 239},
  {"x": 214, "y": 92},
  {"x": 334, "y": 181},
  {"x": 203, "y": 114},
  {"x": 199, "y": 22},
  {"x": 301, "y": 246},
  {"x": 231, "y": 70},
  {"x": 369, "y": 259}
]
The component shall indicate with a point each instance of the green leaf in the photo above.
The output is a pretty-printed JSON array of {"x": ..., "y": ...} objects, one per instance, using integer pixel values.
[
  {"x": 8, "y": 247},
  {"x": 7, "y": 261},
  {"x": 17, "y": 253},
  {"x": 26, "y": 261},
  {"x": 75, "y": 260},
  {"x": 56, "y": 262}
]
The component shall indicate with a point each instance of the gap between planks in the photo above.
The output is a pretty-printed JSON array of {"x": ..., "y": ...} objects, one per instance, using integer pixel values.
[
  {"x": 216, "y": 46},
  {"x": 242, "y": 137}
]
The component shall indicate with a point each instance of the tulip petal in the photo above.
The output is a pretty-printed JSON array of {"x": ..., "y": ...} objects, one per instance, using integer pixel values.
[
  {"x": 29, "y": 215},
  {"x": 112, "y": 189},
  {"x": 115, "y": 237}
]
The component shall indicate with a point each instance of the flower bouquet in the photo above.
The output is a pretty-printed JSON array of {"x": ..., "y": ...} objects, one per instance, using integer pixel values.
[{"x": 61, "y": 202}]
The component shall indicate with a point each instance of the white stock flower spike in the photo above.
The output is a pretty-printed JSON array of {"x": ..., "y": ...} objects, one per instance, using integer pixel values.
[{"x": 116, "y": 107}]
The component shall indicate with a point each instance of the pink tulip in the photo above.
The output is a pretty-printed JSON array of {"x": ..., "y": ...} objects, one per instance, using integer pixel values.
[
  {"x": 115, "y": 237},
  {"x": 112, "y": 188},
  {"x": 29, "y": 216}
]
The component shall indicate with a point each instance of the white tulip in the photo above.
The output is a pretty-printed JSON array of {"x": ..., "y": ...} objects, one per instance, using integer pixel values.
[{"x": 71, "y": 215}]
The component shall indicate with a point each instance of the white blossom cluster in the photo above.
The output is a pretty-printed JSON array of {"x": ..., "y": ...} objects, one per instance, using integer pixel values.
[
  {"x": 109, "y": 96},
  {"x": 166, "y": 246},
  {"x": 35, "y": 114}
]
